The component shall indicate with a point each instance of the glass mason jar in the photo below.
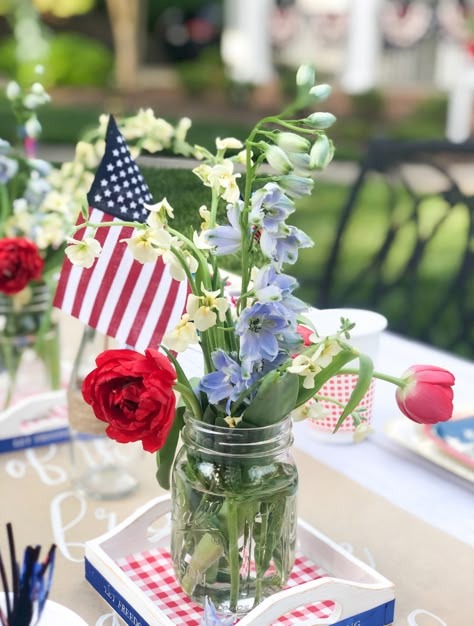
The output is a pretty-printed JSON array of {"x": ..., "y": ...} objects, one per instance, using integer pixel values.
[
  {"x": 101, "y": 468},
  {"x": 29, "y": 345},
  {"x": 233, "y": 521}
]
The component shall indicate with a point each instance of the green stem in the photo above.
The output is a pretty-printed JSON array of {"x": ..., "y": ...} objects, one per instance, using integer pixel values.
[
  {"x": 214, "y": 205},
  {"x": 102, "y": 224},
  {"x": 400, "y": 382},
  {"x": 185, "y": 266},
  {"x": 234, "y": 565},
  {"x": 260, "y": 550},
  {"x": 190, "y": 399},
  {"x": 4, "y": 207},
  {"x": 204, "y": 272}
]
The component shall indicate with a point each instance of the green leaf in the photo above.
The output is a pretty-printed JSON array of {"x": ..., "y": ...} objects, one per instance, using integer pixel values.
[
  {"x": 165, "y": 456},
  {"x": 366, "y": 369},
  {"x": 275, "y": 399}
]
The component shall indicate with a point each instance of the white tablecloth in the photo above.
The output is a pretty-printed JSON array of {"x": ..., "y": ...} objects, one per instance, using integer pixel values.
[{"x": 407, "y": 480}]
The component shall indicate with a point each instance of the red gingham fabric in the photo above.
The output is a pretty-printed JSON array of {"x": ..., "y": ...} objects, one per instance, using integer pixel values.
[
  {"x": 153, "y": 574},
  {"x": 340, "y": 388}
]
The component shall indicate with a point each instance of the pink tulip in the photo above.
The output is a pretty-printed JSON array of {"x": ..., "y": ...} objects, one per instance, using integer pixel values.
[{"x": 427, "y": 396}]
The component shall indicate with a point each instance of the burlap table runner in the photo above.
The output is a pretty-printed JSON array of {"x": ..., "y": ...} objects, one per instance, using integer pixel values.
[{"x": 433, "y": 573}]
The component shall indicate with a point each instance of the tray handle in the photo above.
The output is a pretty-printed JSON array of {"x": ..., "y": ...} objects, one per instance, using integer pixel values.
[{"x": 349, "y": 599}]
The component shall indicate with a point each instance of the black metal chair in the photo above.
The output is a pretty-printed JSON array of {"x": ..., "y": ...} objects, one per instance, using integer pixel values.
[{"x": 416, "y": 256}]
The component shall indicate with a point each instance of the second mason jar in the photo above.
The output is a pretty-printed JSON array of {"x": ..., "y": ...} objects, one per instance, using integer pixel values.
[{"x": 234, "y": 513}]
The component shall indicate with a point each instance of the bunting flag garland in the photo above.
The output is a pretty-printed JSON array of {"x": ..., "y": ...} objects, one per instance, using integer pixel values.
[{"x": 133, "y": 302}]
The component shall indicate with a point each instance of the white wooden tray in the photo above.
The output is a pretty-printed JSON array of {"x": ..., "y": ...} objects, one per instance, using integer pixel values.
[
  {"x": 131, "y": 569},
  {"x": 39, "y": 420}
]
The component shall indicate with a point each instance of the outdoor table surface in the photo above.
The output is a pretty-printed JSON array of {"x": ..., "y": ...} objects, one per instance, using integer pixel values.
[{"x": 407, "y": 518}]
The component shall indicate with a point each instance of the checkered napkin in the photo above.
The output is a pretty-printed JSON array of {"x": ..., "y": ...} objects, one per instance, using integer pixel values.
[{"x": 152, "y": 572}]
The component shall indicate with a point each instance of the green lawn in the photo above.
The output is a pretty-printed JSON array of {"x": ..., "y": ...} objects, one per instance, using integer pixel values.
[{"x": 318, "y": 215}]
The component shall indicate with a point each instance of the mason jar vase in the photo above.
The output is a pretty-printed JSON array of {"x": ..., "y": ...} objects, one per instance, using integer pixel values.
[
  {"x": 29, "y": 345},
  {"x": 234, "y": 515}
]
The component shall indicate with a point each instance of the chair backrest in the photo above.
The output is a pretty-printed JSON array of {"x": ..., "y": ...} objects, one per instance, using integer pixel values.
[{"x": 413, "y": 259}]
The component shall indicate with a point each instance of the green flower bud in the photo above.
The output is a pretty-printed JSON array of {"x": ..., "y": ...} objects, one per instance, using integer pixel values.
[
  {"x": 321, "y": 153},
  {"x": 33, "y": 127},
  {"x": 278, "y": 159},
  {"x": 305, "y": 76},
  {"x": 291, "y": 142},
  {"x": 320, "y": 120},
  {"x": 13, "y": 90},
  {"x": 321, "y": 92}
]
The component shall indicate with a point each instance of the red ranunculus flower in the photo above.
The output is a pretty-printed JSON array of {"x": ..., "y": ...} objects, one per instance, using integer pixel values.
[
  {"x": 133, "y": 393},
  {"x": 20, "y": 262},
  {"x": 427, "y": 397}
]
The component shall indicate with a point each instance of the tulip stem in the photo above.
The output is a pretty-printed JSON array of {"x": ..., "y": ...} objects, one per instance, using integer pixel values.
[{"x": 400, "y": 382}]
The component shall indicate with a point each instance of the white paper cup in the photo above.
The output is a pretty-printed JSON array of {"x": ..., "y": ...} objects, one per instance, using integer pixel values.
[{"x": 364, "y": 337}]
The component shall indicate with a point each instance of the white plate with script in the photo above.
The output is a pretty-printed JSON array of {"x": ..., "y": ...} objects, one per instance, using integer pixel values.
[
  {"x": 54, "y": 614},
  {"x": 413, "y": 437}
]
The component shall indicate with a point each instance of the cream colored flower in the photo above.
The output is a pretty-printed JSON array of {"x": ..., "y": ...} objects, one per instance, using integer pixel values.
[
  {"x": 87, "y": 154},
  {"x": 51, "y": 232},
  {"x": 203, "y": 172},
  {"x": 206, "y": 216},
  {"x": 362, "y": 431},
  {"x": 148, "y": 244},
  {"x": 229, "y": 143},
  {"x": 83, "y": 252},
  {"x": 181, "y": 337},
  {"x": 309, "y": 366},
  {"x": 159, "y": 213},
  {"x": 202, "y": 309},
  {"x": 241, "y": 157},
  {"x": 55, "y": 202},
  {"x": 175, "y": 268},
  {"x": 224, "y": 181},
  {"x": 200, "y": 241},
  {"x": 310, "y": 410}
]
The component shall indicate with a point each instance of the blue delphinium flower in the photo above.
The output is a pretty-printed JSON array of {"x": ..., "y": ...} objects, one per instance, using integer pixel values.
[
  {"x": 296, "y": 186},
  {"x": 270, "y": 207},
  {"x": 282, "y": 247},
  {"x": 228, "y": 381},
  {"x": 8, "y": 169},
  {"x": 270, "y": 286},
  {"x": 227, "y": 239},
  {"x": 210, "y": 617},
  {"x": 258, "y": 327}
]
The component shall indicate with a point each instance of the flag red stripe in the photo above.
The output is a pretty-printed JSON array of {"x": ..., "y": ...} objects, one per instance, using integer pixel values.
[
  {"x": 166, "y": 311},
  {"x": 124, "y": 298},
  {"x": 109, "y": 276},
  {"x": 87, "y": 275},
  {"x": 66, "y": 268},
  {"x": 147, "y": 300}
]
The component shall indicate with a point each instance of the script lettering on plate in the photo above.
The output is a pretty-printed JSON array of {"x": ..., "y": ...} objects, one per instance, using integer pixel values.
[
  {"x": 59, "y": 504},
  {"x": 108, "y": 619},
  {"x": 412, "y": 621},
  {"x": 368, "y": 556},
  {"x": 39, "y": 460},
  {"x": 68, "y": 509}
]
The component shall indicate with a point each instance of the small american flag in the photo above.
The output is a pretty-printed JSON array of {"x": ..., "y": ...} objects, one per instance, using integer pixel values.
[{"x": 135, "y": 303}]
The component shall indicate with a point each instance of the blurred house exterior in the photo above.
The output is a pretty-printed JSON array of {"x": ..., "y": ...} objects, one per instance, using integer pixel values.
[
  {"x": 406, "y": 48},
  {"x": 395, "y": 45}
]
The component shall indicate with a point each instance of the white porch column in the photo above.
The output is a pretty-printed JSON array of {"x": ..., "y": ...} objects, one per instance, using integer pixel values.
[
  {"x": 363, "y": 47},
  {"x": 460, "y": 105},
  {"x": 246, "y": 43}
]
